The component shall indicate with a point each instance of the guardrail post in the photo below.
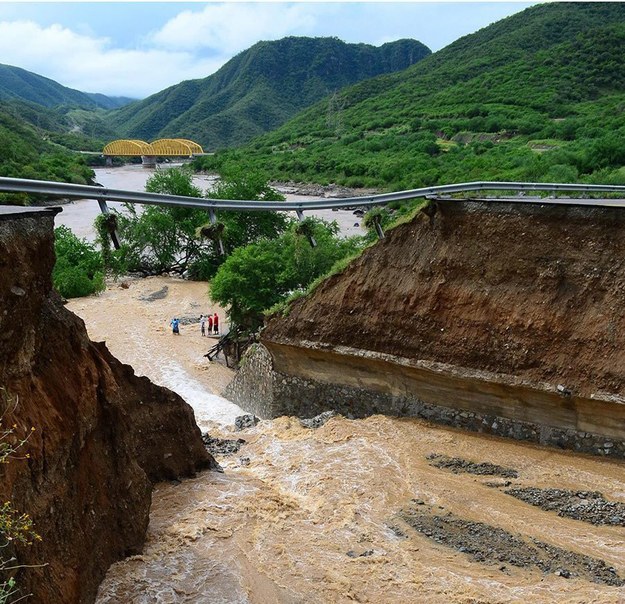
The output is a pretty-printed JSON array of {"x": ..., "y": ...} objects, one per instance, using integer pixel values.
[
  {"x": 113, "y": 233},
  {"x": 311, "y": 239},
  {"x": 213, "y": 218}
]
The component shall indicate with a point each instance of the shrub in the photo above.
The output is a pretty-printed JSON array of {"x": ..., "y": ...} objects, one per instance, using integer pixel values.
[
  {"x": 258, "y": 276},
  {"x": 15, "y": 527},
  {"x": 79, "y": 268}
]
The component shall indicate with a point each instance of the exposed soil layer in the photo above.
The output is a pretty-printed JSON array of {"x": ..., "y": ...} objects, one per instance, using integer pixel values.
[
  {"x": 588, "y": 506},
  {"x": 102, "y": 435},
  {"x": 461, "y": 466},
  {"x": 532, "y": 291},
  {"x": 491, "y": 545}
]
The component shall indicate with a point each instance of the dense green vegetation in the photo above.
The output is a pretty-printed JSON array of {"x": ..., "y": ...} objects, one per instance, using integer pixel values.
[
  {"x": 537, "y": 96},
  {"x": 260, "y": 89},
  {"x": 269, "y": 254},
  {"x": 25, "y": 154},
  {"x": 41, "y": 122},
  {"x": 19, "y": 84},
  {"x": 79, "y": 268},
  {"x": 160, "y": 239},
  {"x": 256, "y": 277}
]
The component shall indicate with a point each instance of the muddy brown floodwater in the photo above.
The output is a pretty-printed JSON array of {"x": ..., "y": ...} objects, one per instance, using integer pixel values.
[{"x": 379, "y": 510}]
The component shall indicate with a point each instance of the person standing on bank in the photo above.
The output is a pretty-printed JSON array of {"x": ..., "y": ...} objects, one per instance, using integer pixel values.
[
  {"x": 203, "y": 325},
  {"x": 216, "y": 324},
  {"x": 210, "y": 325}
]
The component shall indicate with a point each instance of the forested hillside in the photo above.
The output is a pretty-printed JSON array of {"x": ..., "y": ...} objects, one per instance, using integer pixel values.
[
  {"x": 19, "y": 84},
  {"x": 260, "y": 89},
  {"x": 28, "y": 152},
  {"x": 538, "y": 96}
]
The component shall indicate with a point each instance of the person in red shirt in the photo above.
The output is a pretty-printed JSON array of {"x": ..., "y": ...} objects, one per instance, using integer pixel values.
[
  {"x": 209, "y": 321},
  {"x": 216, "y": 323}
]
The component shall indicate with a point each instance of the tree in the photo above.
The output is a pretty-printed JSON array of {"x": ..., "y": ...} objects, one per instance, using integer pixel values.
[
  {"x": 79, "y": 267},
  {"x": 241, "y": 228},
  {"x": 160, "y": 239},
  {"x": 259, "y": 275}
]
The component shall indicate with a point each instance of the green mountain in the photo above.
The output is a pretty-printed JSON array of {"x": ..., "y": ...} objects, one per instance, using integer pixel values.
[
  {"x": 109, "y": 102},
  {"x": 260, "y": 89},
  {"x": 29, "y": 152},
  {"x": 537, "y": 96},
  {"x": 19, "y": 84}
]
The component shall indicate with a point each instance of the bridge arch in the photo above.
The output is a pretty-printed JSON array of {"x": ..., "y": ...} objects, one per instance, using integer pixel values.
[
  {"x": 175, "y": 147},
  {"x": 128, "y": 147},
  {"x": 164, "y": 147}
]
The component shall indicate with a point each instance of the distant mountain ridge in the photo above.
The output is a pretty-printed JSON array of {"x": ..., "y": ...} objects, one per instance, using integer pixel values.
[
  {"x": 22, "y": 85},
  {"x": 260, "y": 88},
  {"x": 539, "y": 95}
]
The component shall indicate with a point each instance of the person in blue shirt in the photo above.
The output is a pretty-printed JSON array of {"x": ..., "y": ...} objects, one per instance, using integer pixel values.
[{"x": 175, "y": 325}]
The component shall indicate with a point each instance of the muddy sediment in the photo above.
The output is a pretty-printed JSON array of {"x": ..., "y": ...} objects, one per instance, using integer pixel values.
[
  {"x": 278, "y": 524},
  {"x": 133, "y": 318},
  {"x": 308, "y": 512}
]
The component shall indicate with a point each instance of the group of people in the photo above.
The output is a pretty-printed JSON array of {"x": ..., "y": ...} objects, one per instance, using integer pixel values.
[{"x": 209, "y": 324}]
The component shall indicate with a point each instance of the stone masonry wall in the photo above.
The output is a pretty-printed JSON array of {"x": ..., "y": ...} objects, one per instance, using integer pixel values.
[{"x": 268, "y": 393}]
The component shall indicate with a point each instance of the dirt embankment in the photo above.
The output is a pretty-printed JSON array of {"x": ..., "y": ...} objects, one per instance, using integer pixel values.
[
  {"x": 102, "y": 435},
  {"x": 536, "y": 292}
]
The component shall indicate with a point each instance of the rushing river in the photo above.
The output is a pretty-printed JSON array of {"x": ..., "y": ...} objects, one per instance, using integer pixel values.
[{"x": 303, "y": 516}]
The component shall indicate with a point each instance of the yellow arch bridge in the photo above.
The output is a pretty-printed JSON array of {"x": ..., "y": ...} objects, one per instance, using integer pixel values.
[{"x": 164, "y": 147}]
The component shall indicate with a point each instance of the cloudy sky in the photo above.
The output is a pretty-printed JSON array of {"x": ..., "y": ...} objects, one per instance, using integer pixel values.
[{"x": 138, "y": 48}]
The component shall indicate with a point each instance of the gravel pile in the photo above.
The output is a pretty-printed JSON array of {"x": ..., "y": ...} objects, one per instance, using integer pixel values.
[
  {"x": 316, "y": 422},
  {"x": 492, "y": 545},
  {"x": 588, "y": 506},
  {"x": 222, "y": 446},
  {"x": 461, "y": 466}
]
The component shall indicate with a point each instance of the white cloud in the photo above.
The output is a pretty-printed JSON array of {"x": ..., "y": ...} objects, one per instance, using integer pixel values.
[
  {"x": 91, "y": 64},
  {"x": 230, "y": 28},
  {"x": 193, "y": 44}
]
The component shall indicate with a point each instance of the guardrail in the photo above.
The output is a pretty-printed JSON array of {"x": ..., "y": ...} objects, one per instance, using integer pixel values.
[{"x": 103, "y": 194}]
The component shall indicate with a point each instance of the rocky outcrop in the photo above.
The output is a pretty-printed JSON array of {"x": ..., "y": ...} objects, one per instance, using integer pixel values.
[
  {"x": 507, "y": 318},
  {"x": 102, "y": 435}
]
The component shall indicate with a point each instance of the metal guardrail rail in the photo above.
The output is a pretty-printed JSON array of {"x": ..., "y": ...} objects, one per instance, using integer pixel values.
[{"x": 103, "y": 194}]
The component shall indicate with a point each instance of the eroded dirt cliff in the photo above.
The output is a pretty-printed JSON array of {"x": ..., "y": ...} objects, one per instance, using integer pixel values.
[
  {"x": 102, "y": 435},
  {"x": 532, "y": 291}
]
